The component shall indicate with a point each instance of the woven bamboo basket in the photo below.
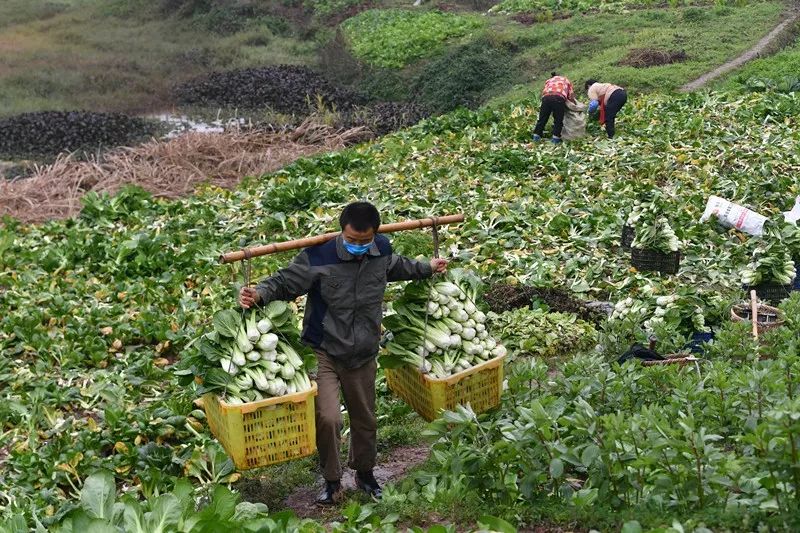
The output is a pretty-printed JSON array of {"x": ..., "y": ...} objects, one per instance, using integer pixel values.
[
  {"x": 677, "y": 359},
  {"x": 768, "y": 317}
]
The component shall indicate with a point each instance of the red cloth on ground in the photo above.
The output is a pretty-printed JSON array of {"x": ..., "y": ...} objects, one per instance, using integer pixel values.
[{"x": 602, "y": 111}]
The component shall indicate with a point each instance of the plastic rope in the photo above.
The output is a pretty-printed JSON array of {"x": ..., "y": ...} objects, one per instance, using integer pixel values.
[
  {"x": 246, "y": 271},
  {"x": 246, "y": 266},
  {"x": 435, "y": 229}
]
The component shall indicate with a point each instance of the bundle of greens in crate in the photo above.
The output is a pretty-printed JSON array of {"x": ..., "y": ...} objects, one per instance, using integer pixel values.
[
  {"x": 252, "y": 355},
  {"x": 770, "y": 263},
  {"x": 773, "y": 259},
  {"x": 452, "y": 338},
  {"x": 653, "y": 230},
  {"x": 655, "y": 246},
  {"x": 687, "y": 311}
]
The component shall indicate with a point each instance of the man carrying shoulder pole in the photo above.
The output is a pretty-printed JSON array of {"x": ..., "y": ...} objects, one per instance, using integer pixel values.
[{"x": 345, "y": 280}]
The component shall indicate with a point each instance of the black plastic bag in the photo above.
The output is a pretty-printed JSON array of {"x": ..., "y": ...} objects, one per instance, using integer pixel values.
[{"x": 637, "y": 351}]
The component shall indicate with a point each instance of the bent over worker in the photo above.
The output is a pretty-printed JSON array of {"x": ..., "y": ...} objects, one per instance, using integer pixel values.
[
  {"x": 555, "y": 94},
  {"x": 609, "y": 99},
  {"x": 345, "y": 279}
]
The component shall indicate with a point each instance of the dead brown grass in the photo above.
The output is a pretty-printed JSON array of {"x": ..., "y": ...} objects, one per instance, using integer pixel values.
[
  {"x": 652, "y": 57},
  {"x": 167, "y": 169}
]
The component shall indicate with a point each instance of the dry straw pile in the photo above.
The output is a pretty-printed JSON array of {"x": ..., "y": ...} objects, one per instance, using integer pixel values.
[{"x": 166, "y": 168}]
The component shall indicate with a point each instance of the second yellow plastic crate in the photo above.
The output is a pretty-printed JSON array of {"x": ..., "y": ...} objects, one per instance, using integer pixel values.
[
  {"x": 267, "y": 432},
  {"x": 480, "y": 386}
]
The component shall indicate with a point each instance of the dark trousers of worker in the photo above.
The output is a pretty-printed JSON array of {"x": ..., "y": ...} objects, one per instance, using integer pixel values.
[
  {"x": 551, "y": 105},
  {"x": 358, "y": 389},
  {"x": 614, "y": 104}
]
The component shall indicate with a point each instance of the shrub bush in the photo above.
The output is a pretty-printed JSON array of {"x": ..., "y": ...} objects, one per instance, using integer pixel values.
[
  {"x": 230, "y": 19},
  {"x": 330, "y": 8},
  {"x": 465, "y": 76}
]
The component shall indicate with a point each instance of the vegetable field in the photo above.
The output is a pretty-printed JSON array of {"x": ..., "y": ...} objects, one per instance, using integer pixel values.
[
  {"x": 599, "y": 440},
  {"x": 96, "y": 311}
]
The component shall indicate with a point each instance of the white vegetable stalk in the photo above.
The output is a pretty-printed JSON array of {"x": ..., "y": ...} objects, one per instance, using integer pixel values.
[
  {"x": 264, "y": 325},
  {"x": 447, "y": 288},
  {"x": 267, "y": 342},
  {"x": 242, "y": 341},
  {"x": 287, "y": 371},
  {"x": 499, "y": 351},
  {"x": 230, "y": 367},
  {"x": 238, "y": 357},
  {"x": 459, "y": 315},
  {"x": 252, "y": 330}
]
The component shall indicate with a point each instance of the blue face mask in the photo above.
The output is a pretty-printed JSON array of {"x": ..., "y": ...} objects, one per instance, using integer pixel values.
[{"x": 357, "y": 249}]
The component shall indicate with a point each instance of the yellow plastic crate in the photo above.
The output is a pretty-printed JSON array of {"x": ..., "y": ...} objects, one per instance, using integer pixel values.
[
  {"x": 267, "y": 432},
  {"x": 480, "y": 386}
]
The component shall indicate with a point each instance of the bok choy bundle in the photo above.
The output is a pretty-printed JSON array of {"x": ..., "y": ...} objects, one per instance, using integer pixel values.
[
  {"x": 251, "y": 356},
  {"x": 455, "y": 337}
]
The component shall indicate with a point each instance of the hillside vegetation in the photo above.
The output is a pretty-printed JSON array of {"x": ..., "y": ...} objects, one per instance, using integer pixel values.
[
  {"x": 127, "y": 56},
  {"x": 124, "y": 56}
]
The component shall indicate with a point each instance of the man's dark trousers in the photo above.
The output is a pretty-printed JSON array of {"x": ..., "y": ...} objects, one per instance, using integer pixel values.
[
  {"x": 358, "y": 389},
  {"x": 556, "y": 106}
]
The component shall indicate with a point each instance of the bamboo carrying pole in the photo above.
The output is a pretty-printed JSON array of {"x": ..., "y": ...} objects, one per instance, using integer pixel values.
[{"x": 257, "y": 251}]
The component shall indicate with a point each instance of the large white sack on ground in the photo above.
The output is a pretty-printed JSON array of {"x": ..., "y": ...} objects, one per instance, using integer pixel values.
[
  {"x": 574, "y": 122},
  {"x": 734, "y": 216}
]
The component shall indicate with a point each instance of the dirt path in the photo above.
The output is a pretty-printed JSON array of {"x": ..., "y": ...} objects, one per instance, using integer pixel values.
[
  {"x": 773, "y": 40},
  {"x": 391, "y": 467}
]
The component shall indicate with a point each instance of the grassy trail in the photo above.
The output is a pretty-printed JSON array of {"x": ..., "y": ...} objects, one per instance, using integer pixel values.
[{"x": 773, "y": 39}]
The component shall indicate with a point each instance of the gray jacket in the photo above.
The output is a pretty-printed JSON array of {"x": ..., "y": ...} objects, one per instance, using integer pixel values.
[{"x": 345, "y": 295}]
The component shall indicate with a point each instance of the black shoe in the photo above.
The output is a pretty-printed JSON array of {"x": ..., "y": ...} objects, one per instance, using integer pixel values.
[
  {"x": 367, "y": 482},
  {"x": 330, "y": 494}
]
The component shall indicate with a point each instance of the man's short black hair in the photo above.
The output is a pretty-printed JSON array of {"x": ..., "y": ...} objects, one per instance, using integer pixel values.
[
  {"x": 589, "y": 83},
  {"x": 362, "y": 216}
]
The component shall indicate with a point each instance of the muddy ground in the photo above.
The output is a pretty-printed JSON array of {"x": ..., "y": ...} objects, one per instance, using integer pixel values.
[{"x": 392, "y": 467}]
